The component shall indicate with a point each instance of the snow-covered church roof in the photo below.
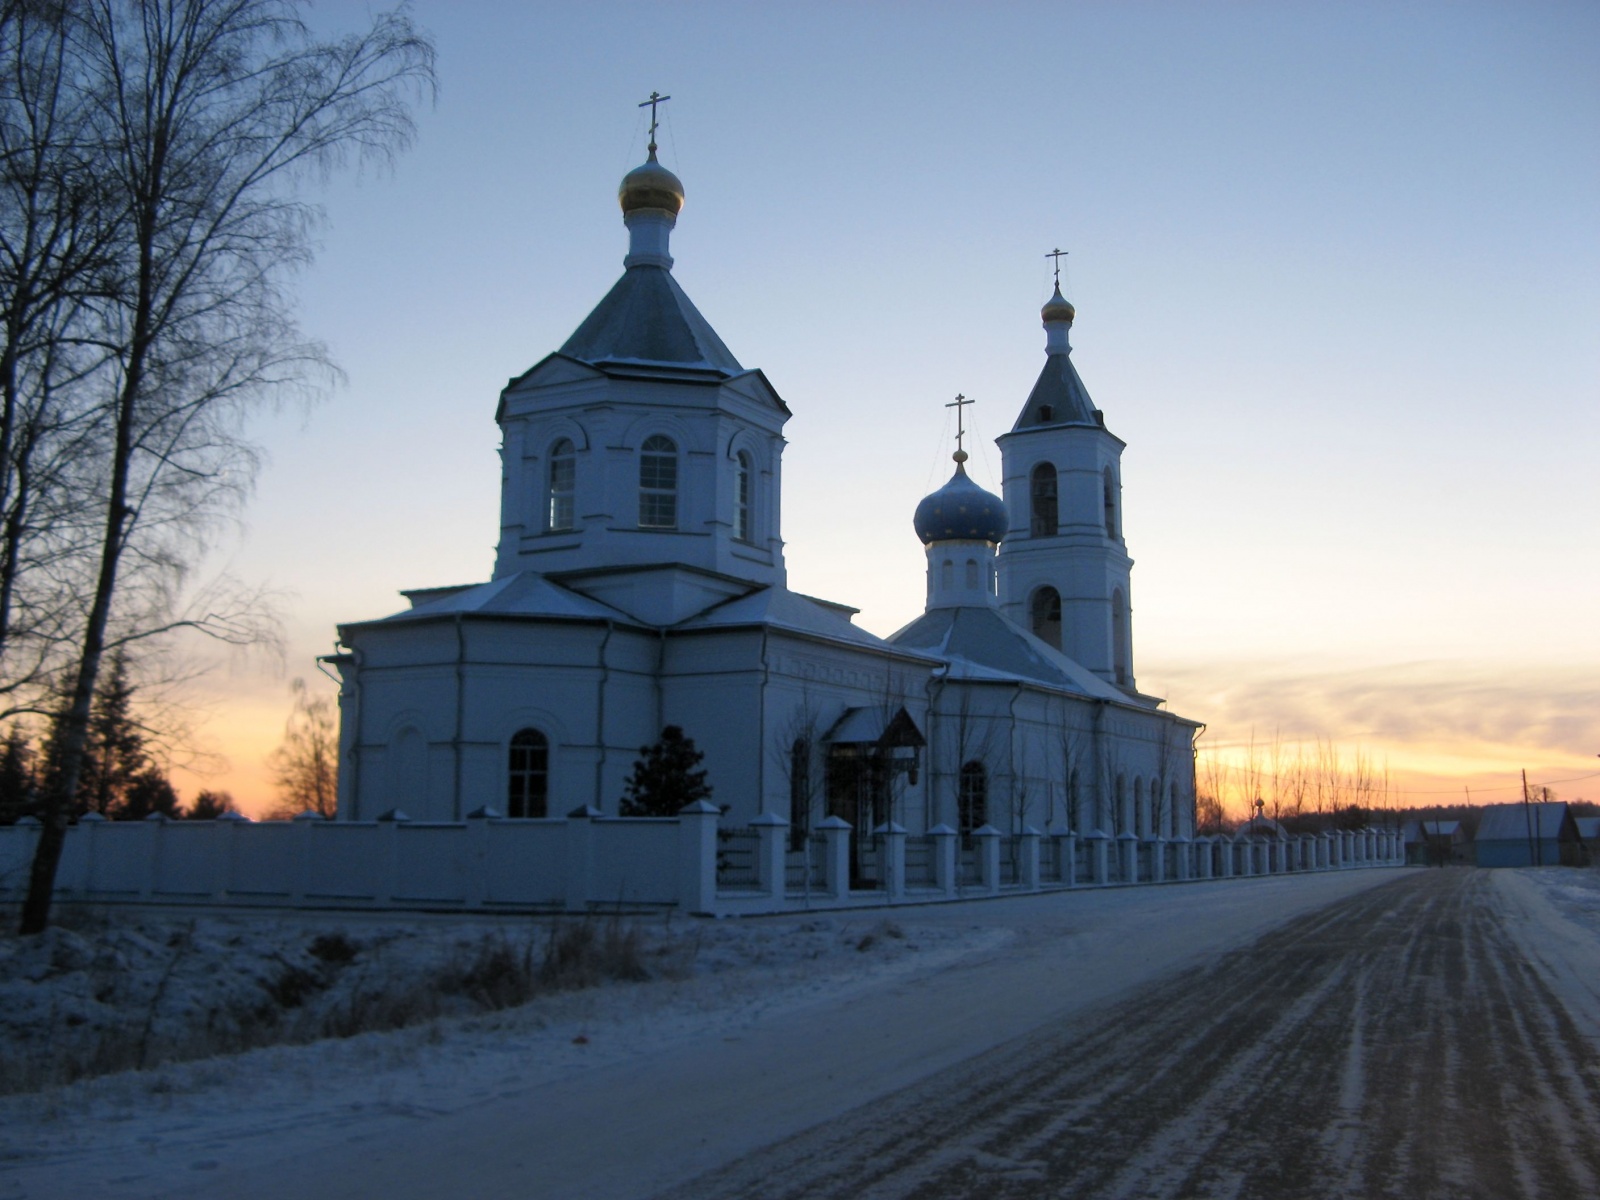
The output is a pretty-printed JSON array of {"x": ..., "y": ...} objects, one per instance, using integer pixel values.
[
  {"x": 981, "y": 644},
  {"x": 646, "y": 318}
]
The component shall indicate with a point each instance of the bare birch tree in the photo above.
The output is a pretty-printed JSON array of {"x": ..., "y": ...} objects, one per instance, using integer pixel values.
[{"x": 210, "y": 115}]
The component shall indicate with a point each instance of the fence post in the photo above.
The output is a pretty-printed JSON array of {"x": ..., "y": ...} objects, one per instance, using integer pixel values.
[
  {"x": 1183, "y": 848},
  {"x": 303, "y": 825},
  {"x": 1128, "y": 851},
  {"x": 579, "y": 857},
  {"x": 229, "y": 824},
  {"x": 90, "y": 823},
  {"x": 1202, "y": 856},
  {"x": 1028, "y": 868},
  {"x": 944, "y": 858},
  {"x": 772, "y": 858},
  {"x": 988, "y": 839},
  {"x": 697, "y": 857},
  {"x": 894, "y": 858},
  {"x": 1099, "y": 852},
  {"x": 1066, "y": 856},
  {"x": 836, "y": 839},
  {"x": 476, "y": 892}
]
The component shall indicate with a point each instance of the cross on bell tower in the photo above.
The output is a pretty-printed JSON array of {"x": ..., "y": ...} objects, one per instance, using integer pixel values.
[{"x": 1058, "y": 254}]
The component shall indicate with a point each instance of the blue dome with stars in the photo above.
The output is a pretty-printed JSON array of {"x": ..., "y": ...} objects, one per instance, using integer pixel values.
[{"x": 961, "y": 511}]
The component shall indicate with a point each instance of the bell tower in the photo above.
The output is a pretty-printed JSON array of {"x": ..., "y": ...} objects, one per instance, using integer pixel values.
[{"x": 1063, "y": 566}]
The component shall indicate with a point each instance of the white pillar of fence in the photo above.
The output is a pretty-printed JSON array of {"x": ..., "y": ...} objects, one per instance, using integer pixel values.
[
  {"x": 1028, "y": 861},
  {"x": 772, "y": 854},
  {"x": 944, "y": 858},
  {"x": 578, "y": 852},
  {"x": 894, "y": 858},
  {"x": 988, "y": 840},
  {"x": 475, "y": 892},
  {"x": 1202, "y": 857},
  {"x": 836, "y": 849},
  {"x": 1066, "y": 856},
  {"x": 389, "y": 859},
  {"x": 697, "y": 857},
  {"x": 1099, "y": 854},
  {"x": 1128, "y": 852},
  {"x": 1183, "y": 848}
]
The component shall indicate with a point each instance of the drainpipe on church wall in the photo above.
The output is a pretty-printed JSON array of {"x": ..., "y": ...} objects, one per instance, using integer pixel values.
[
  {"x": 761, "y": 728},
  {"x": 937, "y": 678},
  {"x": 355, "y": 741},
  {"x": 1020, "y": 817},
  {"x": 461, "y": 700},
  {"x": 600, "y": 718},
  {"x": 1103, "y": 785}
]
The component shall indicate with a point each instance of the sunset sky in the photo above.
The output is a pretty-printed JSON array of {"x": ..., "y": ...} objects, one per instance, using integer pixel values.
[{"x": 1337, "y": 273}]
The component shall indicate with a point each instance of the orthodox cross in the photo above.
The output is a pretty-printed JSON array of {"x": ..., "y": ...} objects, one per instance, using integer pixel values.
[
  {"x": 655, "y": 99},
  {"x": 958, "y": 404},
  {"x": 1057, "y": 254}
]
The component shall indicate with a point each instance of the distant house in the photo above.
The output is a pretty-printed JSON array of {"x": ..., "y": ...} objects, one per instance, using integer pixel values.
[
  {"x": 1520, "y": 835},
  {"x": 1589, "y": 834},
  {"x": 1431, "y": 843}
]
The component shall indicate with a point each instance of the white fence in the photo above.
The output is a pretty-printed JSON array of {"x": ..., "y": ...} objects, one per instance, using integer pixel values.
[{"x": 586, "y": 861}]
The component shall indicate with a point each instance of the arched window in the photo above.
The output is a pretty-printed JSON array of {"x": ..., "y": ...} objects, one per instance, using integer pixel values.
[
  {"x": 974, "y": 580},
  {"x": 529, "y": 791},
  {"x": 1141, "y": 810},
  {"x": 1172, "y": 811},
  {"x": 1074, "y": 798},
  {"x": 1110, "y": 488},
  {"x": 658, "y": 483},
  {"x": 947, "y": 576},
  {"x": 743, "y": 527},
  {"x": 1043, "y": 494},
  {"x": 972, "y": 801},
  {"x": 799, "y": 792},
  {"x": 1045, "y": 614},
  {"x": 1119, "y": 635},
  {"x": 408, "y": 771},
  {"x": 560, "y": 486}
]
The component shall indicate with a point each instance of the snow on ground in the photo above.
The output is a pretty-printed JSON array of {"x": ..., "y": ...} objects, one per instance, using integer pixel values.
[
  {"x": 112, "y": 991},
  {"x": 95, "y": 990},
  {"x": 778, "y": 1023}
]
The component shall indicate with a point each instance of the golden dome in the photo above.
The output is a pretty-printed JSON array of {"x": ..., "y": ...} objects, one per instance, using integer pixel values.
[
  {"x": 1057, "y": 308},
  {"x": 651, "y": 186}
]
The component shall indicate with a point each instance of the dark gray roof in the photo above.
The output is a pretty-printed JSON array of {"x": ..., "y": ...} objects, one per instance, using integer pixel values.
[
  {"x": 1511, "y": 822},
  {"x": 1061, "y": 392},
  {"x": 647, "y": 318}
]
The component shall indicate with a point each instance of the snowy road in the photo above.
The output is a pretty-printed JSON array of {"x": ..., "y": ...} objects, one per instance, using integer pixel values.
[
  {"x": 1396, "y": 1043},
  {"x": 1350, "y": 1034}
]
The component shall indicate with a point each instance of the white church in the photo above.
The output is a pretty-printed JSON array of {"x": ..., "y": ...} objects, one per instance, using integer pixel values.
[{"x": 640, "y": 584}]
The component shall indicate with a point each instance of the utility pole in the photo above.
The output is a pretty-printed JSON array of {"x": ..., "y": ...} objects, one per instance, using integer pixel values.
[{"x": 1527, "y": 812}]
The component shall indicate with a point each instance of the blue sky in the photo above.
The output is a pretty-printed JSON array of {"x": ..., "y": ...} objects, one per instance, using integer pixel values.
[{"x": 1337, "y": 271}]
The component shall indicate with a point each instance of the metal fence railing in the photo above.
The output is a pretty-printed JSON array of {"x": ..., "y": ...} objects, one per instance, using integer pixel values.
[{"x": 738, "y": 866}]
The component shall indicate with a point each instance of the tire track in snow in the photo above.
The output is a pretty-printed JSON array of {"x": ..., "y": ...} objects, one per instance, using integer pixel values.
[{"x": 1396, "y": 1043}]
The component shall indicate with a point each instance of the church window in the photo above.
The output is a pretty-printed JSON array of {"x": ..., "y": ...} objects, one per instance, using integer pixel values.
[
  {"x": 1122, "y": 816},
  {"x": 1043, "y": 494},
  {"x": 1119, "y": 635},
  {"x": 529, "y": 790},
  {"x": 658, "y": 483},
  {"x": 1046, "y": 414},
  {"x": 973, "y": 578},
  {"x": 947, "y": 575},
  {"x": 563, "y": 478},
  {"x": 1073, "y": 799},
  {"x": 742, "y": 527},
  {"x": 972, "y": 801},
  {"x": 1110, "y": 487},
  {"x": 1172, "y": 810},
  {"x": 799, "y": 793},
  {"x": 1045, "y": 612},
  {"x": 1141, "y": 809}
]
